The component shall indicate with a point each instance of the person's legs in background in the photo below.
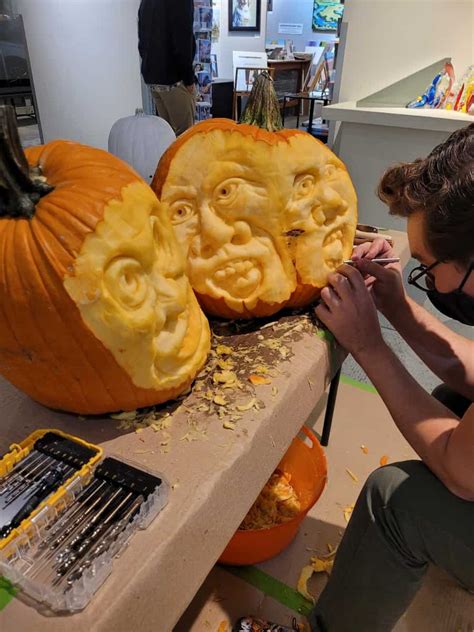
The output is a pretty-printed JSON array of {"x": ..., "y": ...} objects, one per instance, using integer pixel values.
[
  {"x": 404, "y": 519},
  {"x": 177, "y": 106},
  {"x": 160, "y": 104}
]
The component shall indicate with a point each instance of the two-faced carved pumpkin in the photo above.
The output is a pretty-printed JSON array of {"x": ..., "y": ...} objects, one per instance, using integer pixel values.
[
  {"x": 96, "y": 313},
  {"x": 263, "y": 213}
]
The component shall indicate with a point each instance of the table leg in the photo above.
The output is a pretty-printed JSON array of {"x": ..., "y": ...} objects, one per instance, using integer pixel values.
[
  {"x": 298, "y": 115},
  {"x": 284, "y": 111},
  {"x": 330, "y": 408},
  {"x": 311, "y": 114}
]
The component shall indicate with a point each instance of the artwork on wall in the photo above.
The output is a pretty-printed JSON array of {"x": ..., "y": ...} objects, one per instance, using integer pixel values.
[
  {"x": 326, "y": 14},
  {"x": 203, "y": 26},
  {"x": 244, "y": 15}
]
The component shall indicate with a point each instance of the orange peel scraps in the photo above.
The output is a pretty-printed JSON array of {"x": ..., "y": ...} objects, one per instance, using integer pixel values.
[
  {"x": 348, "y": 512},
  {"x": 258, "y": 380},
  {"x": 302, "y": 586},
  {"x": 352, "y": 475}
]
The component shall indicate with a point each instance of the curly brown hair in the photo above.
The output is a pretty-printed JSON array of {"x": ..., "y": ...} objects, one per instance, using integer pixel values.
[{"x": 441, "y": 186}]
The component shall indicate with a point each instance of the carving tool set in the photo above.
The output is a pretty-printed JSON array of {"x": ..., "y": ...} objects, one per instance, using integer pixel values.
[{"x": 65, "y": 514}]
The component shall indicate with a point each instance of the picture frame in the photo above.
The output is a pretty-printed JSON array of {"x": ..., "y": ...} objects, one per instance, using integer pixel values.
[{"x": 244, "y": 16}]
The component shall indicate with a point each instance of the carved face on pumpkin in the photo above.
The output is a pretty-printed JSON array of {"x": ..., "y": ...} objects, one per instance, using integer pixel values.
[
  {"x": 222, "y": 215},
  {"x": 97, "y": 312},
  {"x": 259, "y": 215},
  {"x": 130, "y": 286}
]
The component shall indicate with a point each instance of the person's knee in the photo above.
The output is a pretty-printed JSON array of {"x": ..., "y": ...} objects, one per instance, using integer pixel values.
[{"x": 393, "y": 484}]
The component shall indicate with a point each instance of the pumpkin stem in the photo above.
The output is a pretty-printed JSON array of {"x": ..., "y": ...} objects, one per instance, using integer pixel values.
[
  {"x": 20, "y": 187},
  {"x": 263, "y": 109}
]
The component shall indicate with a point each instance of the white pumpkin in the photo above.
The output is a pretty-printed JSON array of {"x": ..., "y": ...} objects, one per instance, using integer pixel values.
[{"x": 140, "y": 141}]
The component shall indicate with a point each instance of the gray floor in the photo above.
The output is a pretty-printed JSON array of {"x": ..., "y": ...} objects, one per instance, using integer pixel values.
[{"x": 415, "y": 366}]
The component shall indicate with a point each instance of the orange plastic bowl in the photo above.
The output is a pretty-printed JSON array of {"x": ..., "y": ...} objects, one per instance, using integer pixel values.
[{"x": 308, "y": 468}]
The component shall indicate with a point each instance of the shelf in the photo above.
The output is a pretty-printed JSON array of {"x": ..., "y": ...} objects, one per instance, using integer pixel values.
[{"x": 430, "y": 120}]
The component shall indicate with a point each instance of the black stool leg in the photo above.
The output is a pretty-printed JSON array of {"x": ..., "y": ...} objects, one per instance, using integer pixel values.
[
  {"x": 311, "y": 116},
  {"x": 330, "y": 408}
]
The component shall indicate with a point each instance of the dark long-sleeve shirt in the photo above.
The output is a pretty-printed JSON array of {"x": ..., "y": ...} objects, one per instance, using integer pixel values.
[{"x": 166, "y": 41}]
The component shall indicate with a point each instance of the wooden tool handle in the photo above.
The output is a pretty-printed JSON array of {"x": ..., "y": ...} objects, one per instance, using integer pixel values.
[{"x": 361, "y": 237}]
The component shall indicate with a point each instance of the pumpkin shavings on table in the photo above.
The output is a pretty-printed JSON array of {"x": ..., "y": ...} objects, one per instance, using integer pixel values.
[
  {"x": 278, "y": 502},
  {"x": 245, "y": 357}
]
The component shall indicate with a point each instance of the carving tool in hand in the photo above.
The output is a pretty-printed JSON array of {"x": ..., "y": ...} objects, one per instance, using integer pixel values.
[{"x": 381, "y": 261}]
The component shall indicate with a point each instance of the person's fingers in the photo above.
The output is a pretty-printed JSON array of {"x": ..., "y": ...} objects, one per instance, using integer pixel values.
[
  {"x": 369, "y": 281},
  {"x": 353, "y": 275},
  {"x": 361, "y": 251},
  {"x": 340, "y": 284},
  {"x": 323, "y": 313},
  {"x": 377, "y": 248},
  {"x": 374, "y": 269},
  {"x": 330, "y": 298}
]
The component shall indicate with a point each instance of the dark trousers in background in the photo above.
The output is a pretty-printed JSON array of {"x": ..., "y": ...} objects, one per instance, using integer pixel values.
[
  {"x": 177, "y": 106},
  {"x": 404, "y": 520}
]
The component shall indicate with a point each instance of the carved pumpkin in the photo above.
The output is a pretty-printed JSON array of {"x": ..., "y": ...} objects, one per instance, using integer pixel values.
[
  {"x": 96, "y": 313},
  {"x": 141, "y": 140},
  {"x": 264, "y": 214}
]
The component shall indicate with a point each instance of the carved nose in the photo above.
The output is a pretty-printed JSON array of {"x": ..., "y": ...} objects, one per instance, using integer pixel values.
[
  {"x": 242, "y": 234},
  {"x": 215, "y": 232}
]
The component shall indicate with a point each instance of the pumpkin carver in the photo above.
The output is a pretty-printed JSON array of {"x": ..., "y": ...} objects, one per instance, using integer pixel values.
[
  {"x": 96, "y": 313},
  {"x": 264, "y": 214}
]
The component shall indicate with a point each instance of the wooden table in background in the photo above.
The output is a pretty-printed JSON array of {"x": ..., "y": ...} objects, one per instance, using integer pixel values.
[{"x": 289, "y": 75}]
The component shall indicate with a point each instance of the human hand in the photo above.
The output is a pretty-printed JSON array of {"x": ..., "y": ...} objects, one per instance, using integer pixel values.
[
  {"x": 384, "y": 281},
  {"x": 348, "y": 311}
]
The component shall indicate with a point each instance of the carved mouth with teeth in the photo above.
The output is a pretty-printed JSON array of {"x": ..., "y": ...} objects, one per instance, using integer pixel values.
[
  {"x": 239, "y": 277},
  {"x": 333, "y": 248}
]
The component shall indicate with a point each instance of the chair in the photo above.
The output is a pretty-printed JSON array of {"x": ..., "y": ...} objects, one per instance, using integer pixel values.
[{"x": 313, "y": 92}]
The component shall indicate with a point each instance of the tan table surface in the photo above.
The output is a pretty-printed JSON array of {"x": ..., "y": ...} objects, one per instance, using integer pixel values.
[{"x": 216, "y": 478}]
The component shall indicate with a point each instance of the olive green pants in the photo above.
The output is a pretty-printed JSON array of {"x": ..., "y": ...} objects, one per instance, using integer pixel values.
[
  {"x": 404, "y": 520},
  {"x": 177, "y": 106}
]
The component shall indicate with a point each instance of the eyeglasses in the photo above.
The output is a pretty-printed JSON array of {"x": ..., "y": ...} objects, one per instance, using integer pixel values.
[{"x": 422, "y": 278}]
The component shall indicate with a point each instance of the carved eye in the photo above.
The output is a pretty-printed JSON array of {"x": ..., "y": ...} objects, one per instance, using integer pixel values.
[
  {"x": 304, "y": 185},
  {"x": 226, "y": 192},
  {"x": 181, "y": 211}
]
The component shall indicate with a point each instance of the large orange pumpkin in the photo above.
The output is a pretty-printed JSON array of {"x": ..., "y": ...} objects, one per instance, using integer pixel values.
[
  {"x": 96, "y": 313},
  {"x": 263, "y": 213}
]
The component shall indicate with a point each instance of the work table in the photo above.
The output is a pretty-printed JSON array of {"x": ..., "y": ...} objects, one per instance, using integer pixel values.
[{"x": 215, "y": 472}]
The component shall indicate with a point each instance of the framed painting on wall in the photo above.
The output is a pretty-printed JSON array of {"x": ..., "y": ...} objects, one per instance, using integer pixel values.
[
  {"x": 326, "y": 14},
  {"x": 244, "y": 15}
]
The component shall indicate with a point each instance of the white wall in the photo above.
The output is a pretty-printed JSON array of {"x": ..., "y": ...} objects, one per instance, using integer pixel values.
[
  {"x": 85, "y": 65},
  {"x": 228, "y": 42},
  {"x": 295, "y": 12},
  {"x": 390, "y": 39}
]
